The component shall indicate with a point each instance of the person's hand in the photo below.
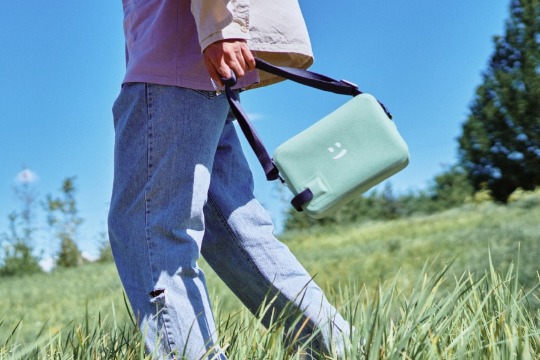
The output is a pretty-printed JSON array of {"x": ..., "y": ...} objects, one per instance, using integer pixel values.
[{"x": 223, "y": 56}]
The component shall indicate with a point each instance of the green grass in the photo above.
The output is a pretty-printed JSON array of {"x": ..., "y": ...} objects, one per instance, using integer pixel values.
[
  {"x": 54, "y": 301},
  {"x": 484, "y": 305}
]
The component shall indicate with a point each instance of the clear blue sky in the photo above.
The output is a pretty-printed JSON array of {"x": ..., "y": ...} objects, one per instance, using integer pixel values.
[{"x": 61, "y": 64}]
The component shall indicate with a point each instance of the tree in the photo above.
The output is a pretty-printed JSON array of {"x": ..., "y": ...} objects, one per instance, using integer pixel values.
[
  {"x": 18, "y": 242},
  {"x": 63, "y": 218},
  {"x": 500, "y": 140},
  {"x": 450, "y": 188}
]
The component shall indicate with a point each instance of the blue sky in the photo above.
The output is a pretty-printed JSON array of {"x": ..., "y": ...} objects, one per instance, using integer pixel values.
[{"x": 61, "y": 64}]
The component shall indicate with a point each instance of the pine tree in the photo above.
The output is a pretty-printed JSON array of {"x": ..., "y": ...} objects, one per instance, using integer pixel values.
[{"x": 500, "y": 141}]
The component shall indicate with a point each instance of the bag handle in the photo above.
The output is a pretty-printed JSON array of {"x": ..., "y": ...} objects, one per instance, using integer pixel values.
[
  {"x": 309, "y": 78},
  {"x": 313, "y": 79}
]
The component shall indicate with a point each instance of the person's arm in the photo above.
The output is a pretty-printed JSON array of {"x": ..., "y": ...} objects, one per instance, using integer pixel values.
[{"x": 222, "y": 27}]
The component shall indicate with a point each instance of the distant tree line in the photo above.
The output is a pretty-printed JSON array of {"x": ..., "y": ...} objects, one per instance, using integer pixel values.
[
  {"x": 499, "y": 147},
  {"x": 448, "y": 189},
  {"x": 18, "y": 255}
]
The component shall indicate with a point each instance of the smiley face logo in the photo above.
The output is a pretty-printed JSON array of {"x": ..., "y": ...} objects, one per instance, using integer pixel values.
[{"x": 340, "y": 154}]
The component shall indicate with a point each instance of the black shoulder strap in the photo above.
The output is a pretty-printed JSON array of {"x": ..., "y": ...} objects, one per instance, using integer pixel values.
[
  {"x": 309, "y": 78},
  {"x": 304, "y": 77}
]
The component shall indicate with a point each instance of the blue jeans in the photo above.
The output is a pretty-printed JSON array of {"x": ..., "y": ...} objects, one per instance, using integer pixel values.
[{"x": 182, "y": 188}]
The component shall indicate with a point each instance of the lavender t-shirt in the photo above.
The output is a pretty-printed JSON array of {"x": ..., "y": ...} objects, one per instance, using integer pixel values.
[{"x": 162, "y": 42}]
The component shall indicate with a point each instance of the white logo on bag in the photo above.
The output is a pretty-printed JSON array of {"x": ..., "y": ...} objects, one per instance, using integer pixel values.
[{"x": 341, "y": 154}]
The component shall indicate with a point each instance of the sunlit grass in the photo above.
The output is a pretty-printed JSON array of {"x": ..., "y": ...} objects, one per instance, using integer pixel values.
[
  {"x": 483, "y": 317},
  {"x": 483, "y": 306}
]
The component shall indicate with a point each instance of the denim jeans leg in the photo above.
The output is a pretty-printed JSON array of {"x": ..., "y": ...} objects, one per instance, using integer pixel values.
[
  {"x": 240, "y": 246},
  {"x": 165, "y": 142}
]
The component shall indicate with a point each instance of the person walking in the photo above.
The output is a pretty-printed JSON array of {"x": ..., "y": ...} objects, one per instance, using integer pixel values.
[{"x": 182, "y": 187}]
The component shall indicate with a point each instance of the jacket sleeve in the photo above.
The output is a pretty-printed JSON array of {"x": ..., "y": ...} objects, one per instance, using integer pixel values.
[{"x": 220, "y": 20}]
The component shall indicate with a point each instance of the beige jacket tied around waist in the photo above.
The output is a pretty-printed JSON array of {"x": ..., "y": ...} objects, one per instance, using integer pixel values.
[{"x": 165, "y": 38}]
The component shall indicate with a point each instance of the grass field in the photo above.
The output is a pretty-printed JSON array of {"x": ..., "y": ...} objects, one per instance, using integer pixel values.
[{"x": 483, "y": 306}]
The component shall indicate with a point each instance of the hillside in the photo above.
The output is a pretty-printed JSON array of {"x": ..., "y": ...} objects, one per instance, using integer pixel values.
[{"x": 347, "y": 257}]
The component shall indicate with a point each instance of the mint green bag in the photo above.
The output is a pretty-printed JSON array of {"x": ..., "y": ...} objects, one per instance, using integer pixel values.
[
  {"x": 339, "y": 157},
  {"x": 342, "y": 155}
]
